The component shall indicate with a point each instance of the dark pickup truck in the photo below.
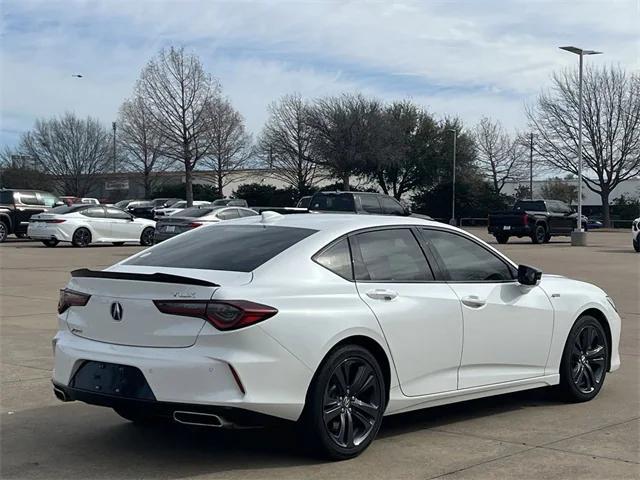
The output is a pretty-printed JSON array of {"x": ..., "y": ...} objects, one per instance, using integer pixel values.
[{"x": 538, "y": 219}]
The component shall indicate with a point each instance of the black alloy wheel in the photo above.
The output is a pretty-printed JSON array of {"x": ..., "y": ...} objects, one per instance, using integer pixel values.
[
  {"x": 4, "y": 231},
  {"x": 81, "y": 237},
  {"x": 346, "y": 403},
  {"x": 146, "y": 238},
  {"x": 539, "y": 234},
  {"x": 585, "y": 360},
  {"x": 502, "y": 238}
]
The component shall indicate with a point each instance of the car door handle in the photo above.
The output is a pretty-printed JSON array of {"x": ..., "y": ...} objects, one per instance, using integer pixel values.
[
  {"x": 382, "y": 294},
  {"x": 473, "y": 301}
]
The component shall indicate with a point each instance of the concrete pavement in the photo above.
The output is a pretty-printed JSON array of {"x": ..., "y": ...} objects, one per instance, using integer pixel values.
[{"x": 524, "y": 435}]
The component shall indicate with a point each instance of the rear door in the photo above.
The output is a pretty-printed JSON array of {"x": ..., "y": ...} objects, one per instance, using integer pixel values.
[
  {"x": 421, "y": 319},
  {"x": 98, "y": 221}
]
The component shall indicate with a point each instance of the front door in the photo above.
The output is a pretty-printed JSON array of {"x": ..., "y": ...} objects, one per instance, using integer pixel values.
[
  {"x": 122, "y": 225},
  {"x": 421, "y": 319},
  {"x": 507, "y": 326}
]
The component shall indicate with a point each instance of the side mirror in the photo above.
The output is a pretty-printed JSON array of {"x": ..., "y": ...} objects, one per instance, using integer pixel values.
[
  {"x": 59, "y": 203},
  {"x": 528, "y": 275}
]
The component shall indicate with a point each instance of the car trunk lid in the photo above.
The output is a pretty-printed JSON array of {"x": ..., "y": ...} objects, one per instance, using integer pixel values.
[{"x": 121, "y": 309}]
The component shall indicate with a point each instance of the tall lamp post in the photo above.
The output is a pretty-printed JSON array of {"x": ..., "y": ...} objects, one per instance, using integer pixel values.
[
  {"x": 579, "y": 236},
  {"x": 114, "y": 125},
  {"x": 452, "y": 221}
]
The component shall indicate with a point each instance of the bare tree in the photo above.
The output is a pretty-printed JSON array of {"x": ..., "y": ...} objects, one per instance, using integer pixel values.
[
  {"x": 70, "y": 149},
  {"x": 611, "y": 128},
  {"x": 179, "y": 93},
  {"x": 345, "y": 134},
  {"x": 499, "y": 156},
  {"x": 141, "y": 144},
  {"x": 286, "y": 141},
  {"x": 231, "y": 148}
]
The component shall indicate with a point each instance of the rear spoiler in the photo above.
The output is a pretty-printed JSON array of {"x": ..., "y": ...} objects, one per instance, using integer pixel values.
[{"x": 141, "y": 277}]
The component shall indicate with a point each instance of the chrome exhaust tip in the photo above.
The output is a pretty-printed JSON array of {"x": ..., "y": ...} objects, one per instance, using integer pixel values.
[
  {"x": 199, "y": 419},
  {"x": 60, "y": 395}
]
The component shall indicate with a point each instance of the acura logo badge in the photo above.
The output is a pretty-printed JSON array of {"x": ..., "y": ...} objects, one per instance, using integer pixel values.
[{"x": 116, "y": 311}]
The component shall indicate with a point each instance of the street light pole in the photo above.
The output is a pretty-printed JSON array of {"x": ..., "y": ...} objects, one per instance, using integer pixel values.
[
  {"x": 452, "y": 221},
  {"x": 531, "y": 166},
  {"x": 113, "y": 124},
  {"x": 579, "y": 236}
]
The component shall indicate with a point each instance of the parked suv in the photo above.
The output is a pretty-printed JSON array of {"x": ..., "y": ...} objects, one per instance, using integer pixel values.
[
  {"x": 357, "y": 202},
  {"x": 17, "y": 206}
]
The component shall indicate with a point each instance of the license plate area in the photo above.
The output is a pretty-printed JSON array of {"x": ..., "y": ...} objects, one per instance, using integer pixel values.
[
  {"x": 112, "y": 379},
  {"x": 170, "y": 228},
  {"x": 506, "y": 227}
]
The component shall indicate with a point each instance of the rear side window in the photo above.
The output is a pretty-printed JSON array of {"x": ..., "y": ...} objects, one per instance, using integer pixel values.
[
  {"x": 370, "y": 204},
  {"x": 392, "y": 255},
  {"x": 117, "y": 213},
  {"x": 235, "y": 248},
  {"x": 391, "y": 206},
  {"x": 6, "y": 197},
  {"x": 29, "y": 198},
  {"x": 339, "y": 202},
  {"x": 337, "y": 258},
  {"x": 465, "y": 260},
  {"x": 531, "y": 205},
  {"x": 67, "y": 209},
  {"x": 228, "y": 214}
]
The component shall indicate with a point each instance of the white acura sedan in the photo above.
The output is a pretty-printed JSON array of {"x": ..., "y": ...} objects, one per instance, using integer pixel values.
[
  {"x": 83, "y": 224},
  {"x": 329, "y": 320}
]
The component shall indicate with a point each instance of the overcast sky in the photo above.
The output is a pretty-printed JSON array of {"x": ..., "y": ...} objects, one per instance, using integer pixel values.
[{"x": 458, "y": 58}]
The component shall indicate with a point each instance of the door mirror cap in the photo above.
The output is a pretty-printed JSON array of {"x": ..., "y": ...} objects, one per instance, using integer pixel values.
[{"x": 528, "y": 275}]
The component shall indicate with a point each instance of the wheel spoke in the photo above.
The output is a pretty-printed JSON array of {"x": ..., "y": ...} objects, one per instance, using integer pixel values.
[
  {"x": 363, "y": 379},
  {"x": 331, "y": 413},
  {"x": 366, "y": 408},
  {"x": 341, "y": 377},
  {"x": 589, "y": 377},
  {"x": 594, "y": 353},
  {"x": 366, "y": 422},
  {"x": 591, "y": 336},
  {"x": 348, "y": 437}
]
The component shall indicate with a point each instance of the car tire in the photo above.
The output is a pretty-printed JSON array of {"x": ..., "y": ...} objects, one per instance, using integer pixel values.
[
  {"x": 118, "y": 244},
  {"x": 585, "y": 360},
  {"x": 4, "y": 231},
  {"x": 636, "y": 245},
  {"x": 345, "y": 404},
  {"x": 50, "y": 243},
  {"x": 137, "y": 416},
  {"x": 146, "y": 238},
  {"x": 539, "y": 234},
  {"x": 502, "y": 238},
  {"x": 547, "y": 238},
  {"x": 81, "y": 237},
  {"x": 21, "y": 235}
]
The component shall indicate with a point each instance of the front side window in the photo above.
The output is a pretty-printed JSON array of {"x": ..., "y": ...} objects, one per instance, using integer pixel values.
[
  {"x": 235, "y": 248},
  {"x": 392, "y": 255},
  {"x": 28, "y": 198},
  {"x": 48, "y": 199},
  {"x": 117, "y": 213},
  {"x": 94, "y": 212},
  {"x": 337, "y": 258},
  {"x": 465, "y": 260}
]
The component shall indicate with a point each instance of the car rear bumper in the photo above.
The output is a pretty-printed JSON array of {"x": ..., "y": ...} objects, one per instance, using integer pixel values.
[
  {"x": 47, "y": 232},
  {"x": 515, "y": 231},
  {"x": 161, "y": 237},
  {"x": 250, "y": 371}
]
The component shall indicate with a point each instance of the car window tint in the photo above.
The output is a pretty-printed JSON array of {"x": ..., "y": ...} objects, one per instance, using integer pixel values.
[
  {"x": 338, "y": 202},
  {"x": 68, "y": 209},
  {"x": 370, "y": 203},
  {"x": 117, "y": 213},
  {"x": 391, "y": 206},
  {"x": 237, "y": 248},
  {"x": 465, "y": 260},
  {"x": 530, "y": 205},
  {"x": 337, "y": 258},
  {"x": 48, "y": 199},
  {"x": 392, "y": 256},
  {"x": 228, "y": 214},
  {"x": 6, "y": 197},
  {"x": 28, "y": 198},
  {"x": 94, "y": 212},
  {"x": 247, "y": 213}
]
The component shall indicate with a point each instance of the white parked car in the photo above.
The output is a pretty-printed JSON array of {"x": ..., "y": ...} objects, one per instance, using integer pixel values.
[
  {"x": 176, "y": 207},
  {"x": 329, "y": 320},
  {"x": 85, "y": 224}
]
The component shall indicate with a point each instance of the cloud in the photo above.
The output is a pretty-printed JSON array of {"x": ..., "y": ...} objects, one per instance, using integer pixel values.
[{"x": 460, "y": 58}]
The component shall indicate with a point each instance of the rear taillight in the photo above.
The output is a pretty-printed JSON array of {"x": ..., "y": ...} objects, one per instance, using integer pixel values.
[
  {"x": 194, "y": 224},
  {"x": 525, "y": 219},
  {"x": 224, "y": 315},
  {"x": 69, "y": 298}
]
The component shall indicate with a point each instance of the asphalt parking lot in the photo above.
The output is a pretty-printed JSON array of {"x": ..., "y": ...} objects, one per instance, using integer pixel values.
[{"x": 524, "y": 435}]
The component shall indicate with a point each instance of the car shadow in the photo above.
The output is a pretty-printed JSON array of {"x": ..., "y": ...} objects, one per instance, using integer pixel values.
[{"x": 79, "y": 441}]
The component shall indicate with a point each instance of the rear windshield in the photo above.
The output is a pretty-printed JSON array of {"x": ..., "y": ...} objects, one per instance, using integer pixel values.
[
  {"x": 195, "y": 212},
  {"x": 338, "y": 202},
  {"x": 532, "y": 206},
  {"x": 235, "y": 248},
  {"x": 64, "y": 209}
]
